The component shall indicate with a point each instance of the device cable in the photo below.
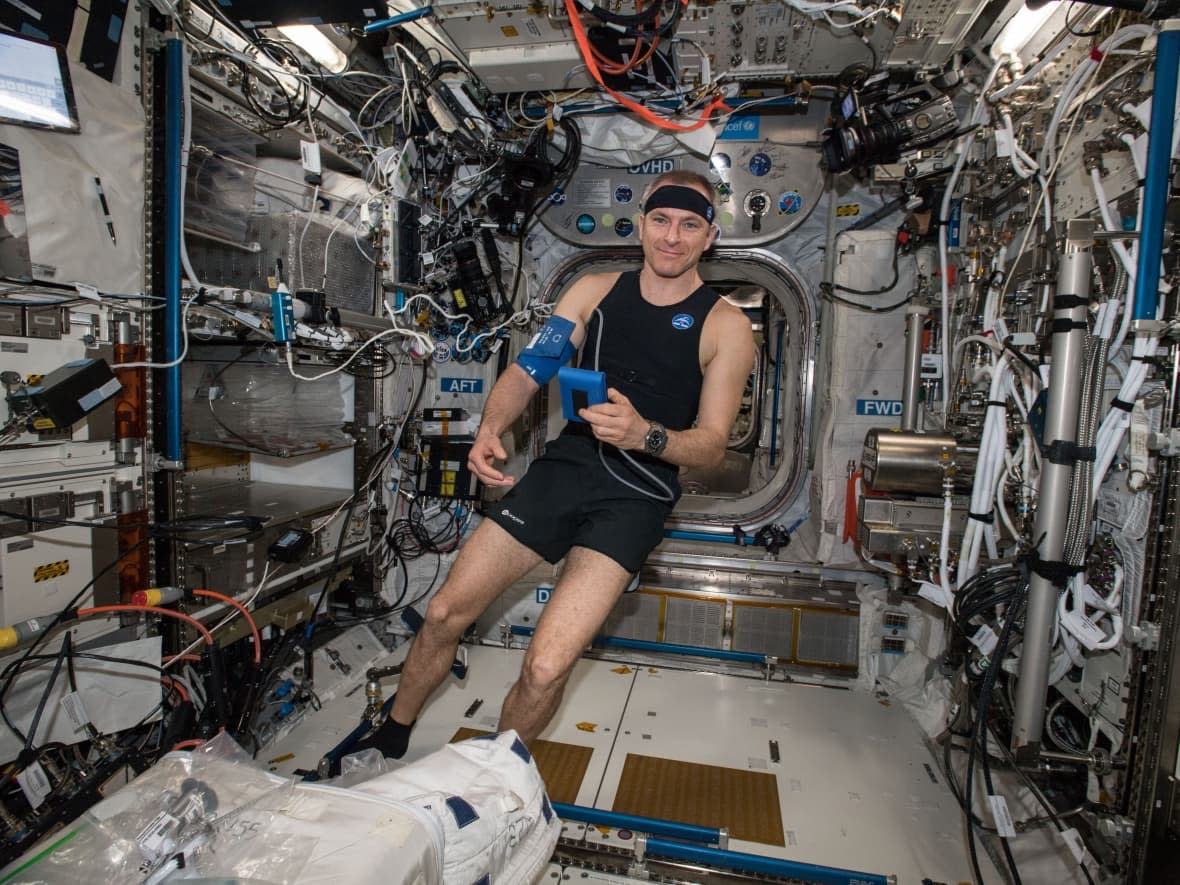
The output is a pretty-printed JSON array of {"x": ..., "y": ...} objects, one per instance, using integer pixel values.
[
  {"x": 72, "y": 676},
  {"x": 667, "y": 495},
  {"x": 49, "y": 683},
  {"x": 61, "y": 615}
]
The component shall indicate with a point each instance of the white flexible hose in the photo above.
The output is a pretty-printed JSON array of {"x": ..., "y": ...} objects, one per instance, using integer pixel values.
[
  {"x": 1050, "y": 55},
  {"x": 978, "y": 115}
]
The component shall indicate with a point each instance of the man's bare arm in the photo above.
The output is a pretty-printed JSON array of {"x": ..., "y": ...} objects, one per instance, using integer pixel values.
[
  {"x": 510, "y": 394},
  {"x": 514, "y": 388}
]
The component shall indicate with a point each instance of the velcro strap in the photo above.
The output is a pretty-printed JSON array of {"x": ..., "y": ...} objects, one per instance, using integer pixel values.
[
  {"x": 1069, "y": 453},
  {"x": 1062, "y": 324},
  {"x": 996, "y": 404},
  {"x": 986, "y": 518},
  {"x": 1068, "y": 302},
  {"x": 1055, "y": 572},
  {"x": 1122, "y": 404}
]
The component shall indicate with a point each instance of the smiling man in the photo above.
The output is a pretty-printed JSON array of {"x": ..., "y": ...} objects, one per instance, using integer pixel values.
[{"x": 677, "y": 358}]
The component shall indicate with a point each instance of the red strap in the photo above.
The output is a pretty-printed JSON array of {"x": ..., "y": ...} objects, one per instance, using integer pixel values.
[{"x": 850, "y": 520}]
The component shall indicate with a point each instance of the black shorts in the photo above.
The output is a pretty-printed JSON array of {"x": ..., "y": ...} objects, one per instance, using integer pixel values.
[{"x": 568, "y": 499}]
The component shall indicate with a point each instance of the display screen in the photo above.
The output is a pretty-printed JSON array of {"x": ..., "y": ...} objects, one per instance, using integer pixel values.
[
  {"x": 35, "y": 87},
  {"x": 848, "y": 106}
]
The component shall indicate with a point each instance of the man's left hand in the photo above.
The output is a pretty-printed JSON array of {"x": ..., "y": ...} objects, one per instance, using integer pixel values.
[{"x": 616, "y": 421}]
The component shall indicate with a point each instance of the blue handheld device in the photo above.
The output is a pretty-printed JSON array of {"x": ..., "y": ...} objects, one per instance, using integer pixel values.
[{"x": 580, "y": 389}]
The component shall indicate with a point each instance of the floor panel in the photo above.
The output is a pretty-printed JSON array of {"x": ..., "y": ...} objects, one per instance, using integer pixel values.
[
  {"x": 855, "y": 785},
  {"x": 744, "y": 802},
  {"x": 857, "y": 788}
]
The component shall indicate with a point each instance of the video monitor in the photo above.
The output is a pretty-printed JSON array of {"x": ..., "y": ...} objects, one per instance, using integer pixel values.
[{"x": 35, "y": 88}]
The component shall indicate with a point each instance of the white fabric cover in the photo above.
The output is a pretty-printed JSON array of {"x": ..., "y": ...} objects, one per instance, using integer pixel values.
[
  {"x": 867, "y": 354},
  {"x": 488, "y": 796},
  {"x": 626, "y": 140},
  {"x": 473, "y": 813}
]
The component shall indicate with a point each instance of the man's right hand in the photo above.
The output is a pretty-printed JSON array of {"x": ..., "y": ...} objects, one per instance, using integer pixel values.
[{"x": 484, "y": 451}]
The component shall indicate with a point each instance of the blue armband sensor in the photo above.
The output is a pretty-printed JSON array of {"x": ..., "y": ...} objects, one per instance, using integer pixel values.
[{"x": 549, "y": 350}]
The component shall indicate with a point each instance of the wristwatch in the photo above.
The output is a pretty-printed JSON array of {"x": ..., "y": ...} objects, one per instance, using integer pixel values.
[{"x": 656, "y": 440}]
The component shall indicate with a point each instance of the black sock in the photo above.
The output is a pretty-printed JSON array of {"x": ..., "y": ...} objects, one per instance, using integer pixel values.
[{"x": 391, "y": 738}]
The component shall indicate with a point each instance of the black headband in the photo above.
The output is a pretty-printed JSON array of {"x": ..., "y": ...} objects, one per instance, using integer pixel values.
[{"x": 675, "y": 196}]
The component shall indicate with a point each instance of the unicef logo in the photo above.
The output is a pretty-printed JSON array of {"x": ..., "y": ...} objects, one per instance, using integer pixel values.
[{"x": 682, "y": 321}]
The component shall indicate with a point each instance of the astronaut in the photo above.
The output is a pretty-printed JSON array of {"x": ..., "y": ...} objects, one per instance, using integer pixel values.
[{"x": 677, "y": 358}]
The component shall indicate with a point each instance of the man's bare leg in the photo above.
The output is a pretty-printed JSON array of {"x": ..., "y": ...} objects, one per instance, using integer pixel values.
[
  {"x": 588, "y": 588},
  {"x": 488, "y": 564}
]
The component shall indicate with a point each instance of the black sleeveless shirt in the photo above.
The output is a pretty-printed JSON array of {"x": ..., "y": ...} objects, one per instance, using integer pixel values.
[{"x": 650, "y": 353}]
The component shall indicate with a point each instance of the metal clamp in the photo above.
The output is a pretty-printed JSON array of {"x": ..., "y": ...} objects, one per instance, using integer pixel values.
[
  {"x": 1148, "y": 327},
  {"x": 638, "y": 866},
  {"x": 1145, "y": 635}
]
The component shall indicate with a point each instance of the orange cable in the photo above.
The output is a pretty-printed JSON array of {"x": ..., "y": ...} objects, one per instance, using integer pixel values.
[
  {"x": 629, "y": 103},
  {"x": 175, "y": 686},
  {"x": 229, "y": 600},
  {"x": 154, "y": 609},
  {"x": 620, "y": 68}
]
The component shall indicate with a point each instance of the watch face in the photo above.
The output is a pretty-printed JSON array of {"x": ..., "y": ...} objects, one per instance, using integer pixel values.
[{"x": 656, "y": 440}]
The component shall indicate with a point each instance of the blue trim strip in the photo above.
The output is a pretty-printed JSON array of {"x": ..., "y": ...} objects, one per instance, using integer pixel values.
[
  {"x": 622, "y": 821},
  {"x": 546, "y": 808},
  {"x": 671, "y": 648},
  {"x": 173, "y": 133},
  {"x": 757, "y": 863},
  {"x": 1158, "y": 172},
  {"x": 521, "y": 750},
  {"x": 464, "y": 813},
  {"x": 400, "y": 19}
]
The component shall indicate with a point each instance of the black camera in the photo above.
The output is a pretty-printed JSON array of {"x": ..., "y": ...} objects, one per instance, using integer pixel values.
[{"x": 870, "y": 128}]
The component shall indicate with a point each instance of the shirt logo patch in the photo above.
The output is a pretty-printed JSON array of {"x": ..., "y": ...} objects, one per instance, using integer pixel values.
[{"x": 682, "y": 321}]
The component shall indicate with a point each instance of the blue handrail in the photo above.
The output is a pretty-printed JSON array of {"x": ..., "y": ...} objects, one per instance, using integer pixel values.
[
  {"x": 622, "y": 821},
  {"x": 174, "y": 111},
  {"x": 757, "y": 863},
  {"x": 696, "y": 651},
  {"x": 400, "y": 19},
  {"x": 1158, "y": 172},
  {"x": 716, "y": 537}
]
